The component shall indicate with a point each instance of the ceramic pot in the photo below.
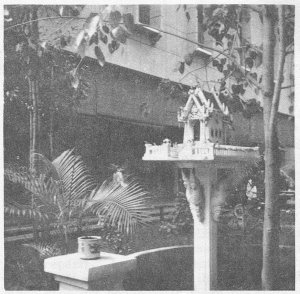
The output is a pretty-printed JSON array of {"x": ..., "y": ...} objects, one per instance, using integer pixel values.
[{"x": 89, "y": 247}]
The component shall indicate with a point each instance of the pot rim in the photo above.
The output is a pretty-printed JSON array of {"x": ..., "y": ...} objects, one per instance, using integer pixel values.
[{"x": 89, "y": 238}]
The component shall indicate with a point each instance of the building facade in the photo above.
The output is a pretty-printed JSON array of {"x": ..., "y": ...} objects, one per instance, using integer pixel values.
[{"x": 130, "y": 89}]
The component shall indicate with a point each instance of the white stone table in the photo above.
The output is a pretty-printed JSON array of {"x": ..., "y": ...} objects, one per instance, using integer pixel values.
[{"x": 105, "y": 273}]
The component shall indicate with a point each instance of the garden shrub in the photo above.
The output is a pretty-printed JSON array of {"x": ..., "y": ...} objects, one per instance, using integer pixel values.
[
  {"x": 182, "y": 220},
  {"x": 114, "y": 240},
  {"x": 24, "y": 267}
]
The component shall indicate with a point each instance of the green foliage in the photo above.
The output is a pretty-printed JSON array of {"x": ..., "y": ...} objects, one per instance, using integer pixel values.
[
  {"x": 115, "y": 240},
  {"x": 182, "y": 220},
  {"x": 239, "y": 205},
  {"x": 64, "y": 191},
  {"x": 24, "y": 266},
  {"x": 240, "y": 256},
  {"x": 220, "y": 19},
  {"x": 224, "y": 23},
  {"x": 172, "y": 90},
  {"x": 59, "y": 76},
  {"x": 46, "y": 249},
  {"x": 109, "y": 26},
  {"x": 124, "y": 204}
]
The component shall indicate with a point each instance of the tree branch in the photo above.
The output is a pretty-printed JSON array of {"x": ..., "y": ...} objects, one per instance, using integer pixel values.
[
  {"x": 282, "y": 40},
  {"x": 289, "y": 52},
  {"x": 287, "y": 87},
  {"x": 249, "y": 78},
  {"x": 44, "y": 18},
  {"x": 199, "y": 68}
]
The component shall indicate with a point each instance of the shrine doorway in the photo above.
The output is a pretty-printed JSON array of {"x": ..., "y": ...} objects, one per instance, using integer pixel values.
[{"x": 197, "y": 130}]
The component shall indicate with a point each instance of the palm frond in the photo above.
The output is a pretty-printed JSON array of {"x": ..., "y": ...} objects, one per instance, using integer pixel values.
[
  {"x": 124, "y": 206},
  {"x": 43, "y": 166},
  {"x": 45, "y": 192},
  {"x": 65, "y": 188},
  {"x": 21, "y": 210},
  {"x": 15, "y": 174},
  {"x": 46, "y": 250},
  {"x": 74, "y": 175}
]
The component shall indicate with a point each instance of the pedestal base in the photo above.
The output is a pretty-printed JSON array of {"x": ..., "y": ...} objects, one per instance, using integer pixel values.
[{"x": 105, "y": 273}]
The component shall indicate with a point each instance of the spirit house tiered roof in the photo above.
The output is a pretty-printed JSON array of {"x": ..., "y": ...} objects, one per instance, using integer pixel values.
[{"x": 206, "y": 122}]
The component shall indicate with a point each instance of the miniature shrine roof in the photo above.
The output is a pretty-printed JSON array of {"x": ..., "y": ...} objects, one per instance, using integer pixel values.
[
  {"x": 205, "y": 101},
  {"x": 217, "y": 103}
]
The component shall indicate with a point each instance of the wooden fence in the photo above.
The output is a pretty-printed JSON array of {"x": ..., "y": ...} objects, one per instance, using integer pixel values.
[
  {"x": 158, "y": 212},
  {"x": 288, "y": 197}
]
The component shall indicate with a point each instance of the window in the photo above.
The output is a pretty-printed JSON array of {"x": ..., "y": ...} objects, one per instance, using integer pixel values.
[
  {"x": 144, "y": 14},
  {"x": 149, "y": 15},
  {"x": 202, "y": 53},
  {"x": 200, "y": 23}
]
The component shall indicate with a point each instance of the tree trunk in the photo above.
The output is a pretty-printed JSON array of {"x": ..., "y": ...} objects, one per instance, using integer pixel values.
[
  {"x": 51, "y": 110},
  {"x": 66, "y": 238},
  {"x": 33, "y": 120},
  {"x": 33, "y": 75},
  {"x": 30, "y": 133},
  {"x": 33, "y": 144},
  {"x": 270, "y": 267},
  {"x": 271, "y": 227},
  {"x": 51, "y": 134}
]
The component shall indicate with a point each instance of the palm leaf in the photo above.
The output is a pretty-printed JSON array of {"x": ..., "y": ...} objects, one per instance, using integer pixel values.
[
  {"x": 43, "y": 166},
  {"x": 44, "y": 191},
  {"x": 16, "y": 209},
  {"x": 76, "y": 180},
  {"x": 46, "y": 250},
  {"x": 124, "y": 206},
  {"x": 65, "y": 188}
]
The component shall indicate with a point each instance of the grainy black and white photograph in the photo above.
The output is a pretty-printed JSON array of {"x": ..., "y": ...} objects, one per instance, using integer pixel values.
[{"x": 149, "y": 146}]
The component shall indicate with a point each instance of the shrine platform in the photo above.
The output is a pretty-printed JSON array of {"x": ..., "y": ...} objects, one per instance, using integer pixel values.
[{"x": 196, "y": 151}]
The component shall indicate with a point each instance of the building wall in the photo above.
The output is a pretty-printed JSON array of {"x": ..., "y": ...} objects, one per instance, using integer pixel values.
[
  {"x": 250, "y": 130},
  {"x": 127, "y": 86},
  {"x": 256, "y": 38},
  {"x": 129, "y": 95},
  {"x": 161, "y": 59},
  {"x": 137, "y": 54}
]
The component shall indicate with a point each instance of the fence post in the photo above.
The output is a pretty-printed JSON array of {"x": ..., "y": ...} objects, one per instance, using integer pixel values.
[{"x": 161, "y": 213}]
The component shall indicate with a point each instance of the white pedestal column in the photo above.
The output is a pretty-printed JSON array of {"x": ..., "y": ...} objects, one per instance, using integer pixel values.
[
  {"x": 205, "y": 231},
  {"x": 205, "y": 237}
]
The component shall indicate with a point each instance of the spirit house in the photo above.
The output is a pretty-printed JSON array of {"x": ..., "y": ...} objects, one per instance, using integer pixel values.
[
  {"x": 207, "y": 123},
  {"x": 208, "y": 166},
  {"x": 204, "y": 118}
]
